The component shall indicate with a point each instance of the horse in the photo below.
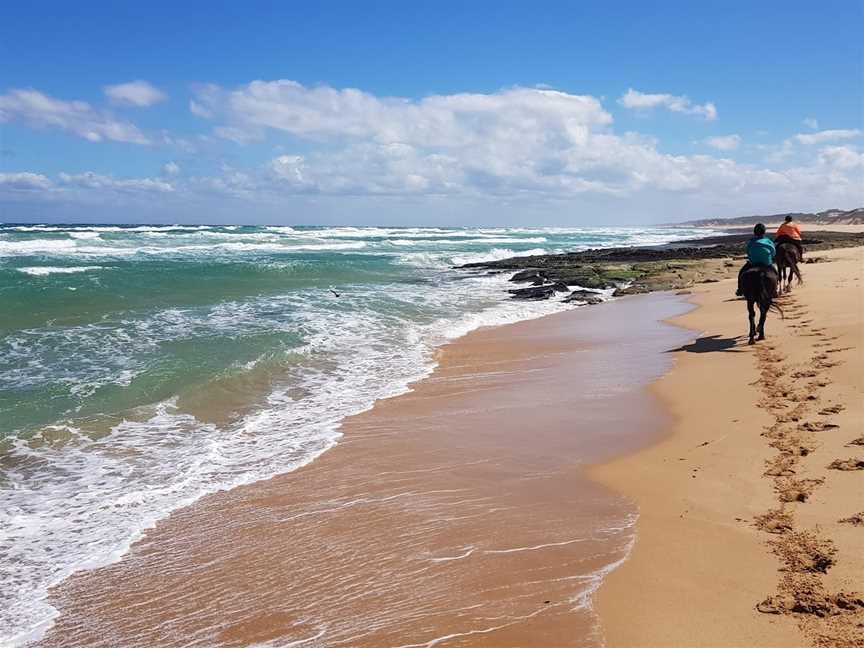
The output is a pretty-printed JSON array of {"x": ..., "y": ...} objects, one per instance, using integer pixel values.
[
  {"x": 759, "y": 285},
  {"x": 787, "y": 264}
]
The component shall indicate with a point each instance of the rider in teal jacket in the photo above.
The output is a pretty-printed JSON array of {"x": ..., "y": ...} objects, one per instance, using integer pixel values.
[{"x": 760, "y": 252}]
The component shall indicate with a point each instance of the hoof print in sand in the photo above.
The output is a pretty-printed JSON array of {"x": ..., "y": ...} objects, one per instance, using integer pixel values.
[
  {"x": 782, "y": 466},
  {"x": 834, "y": 409},
  {"x": 854, "y": 520},
  {"x": 809, "y": 602},
  {"x": 775, "y": 605},
  {"x": 847, "y": 464},
  {"x": 804, "y": 551},
  {"x": 817, "y": 426},
  {"x": 797, "y": 490},
  {"x": 774, "y": 521},
  {"x": 805, "y": 374}
]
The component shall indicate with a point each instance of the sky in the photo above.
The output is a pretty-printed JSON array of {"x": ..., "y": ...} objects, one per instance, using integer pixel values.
[{"x": 433, "y": 113}]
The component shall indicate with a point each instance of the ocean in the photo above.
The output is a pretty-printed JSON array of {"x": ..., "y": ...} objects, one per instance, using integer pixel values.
[{"x": 143, "y": 367}]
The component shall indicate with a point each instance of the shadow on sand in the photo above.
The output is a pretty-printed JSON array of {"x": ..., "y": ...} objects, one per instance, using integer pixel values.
[{"x": 709, "y": 344}]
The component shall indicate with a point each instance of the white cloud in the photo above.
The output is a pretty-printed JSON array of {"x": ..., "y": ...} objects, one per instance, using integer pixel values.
[
  {"x": 134, "y": 93},
  {"x": 41, "y": 111},
  {"x": 439, "y": 120},
  {"x": 24, "y": 181},
  {"x": 842, "y": 157},
  {"x": 811, "y": 123},
  {"x": 636, "y": 100},
  {"x": 171, "y": 169},
  {"x": 821, "y": 137},
  {"x": 90, "y": 180},
  {"x": 724, "y": 142},
  {"x": 198, "y": 110}
]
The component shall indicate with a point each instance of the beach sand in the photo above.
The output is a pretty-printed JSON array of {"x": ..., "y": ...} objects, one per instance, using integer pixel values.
[{"x": 702, "y": 564}]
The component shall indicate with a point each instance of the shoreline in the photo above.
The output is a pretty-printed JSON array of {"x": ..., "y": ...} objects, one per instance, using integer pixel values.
[{"x": 469, "y": 489}]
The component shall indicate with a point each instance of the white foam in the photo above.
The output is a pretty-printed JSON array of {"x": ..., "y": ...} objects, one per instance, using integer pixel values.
[
  {"x": 42, "y": 271},
  {"x": 444, "y": 260},
  {"x": 36, "y": 246}
]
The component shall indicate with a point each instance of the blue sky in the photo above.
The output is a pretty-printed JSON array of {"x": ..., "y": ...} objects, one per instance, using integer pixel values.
[{"x": 451, "y": 113}]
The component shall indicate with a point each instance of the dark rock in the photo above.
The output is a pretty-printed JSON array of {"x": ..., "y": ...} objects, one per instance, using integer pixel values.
[
  {"x": 534, "y": 292},
  {"x": 528, "y": 275},
  {"x": 586, "y": 296},
  {"x": 631, "y": 290}
]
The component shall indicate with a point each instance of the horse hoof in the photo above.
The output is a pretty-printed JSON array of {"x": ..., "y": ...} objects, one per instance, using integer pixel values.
[
  {"x": 761, "y": 337},
  {"x": 751, "y": 341}
]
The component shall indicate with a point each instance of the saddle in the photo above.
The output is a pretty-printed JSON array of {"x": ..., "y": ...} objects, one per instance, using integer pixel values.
[{"x": 768, "y": 271}]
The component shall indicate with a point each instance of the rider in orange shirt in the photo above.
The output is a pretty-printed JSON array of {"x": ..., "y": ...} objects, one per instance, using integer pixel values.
[{"x": 790, "y": 232}]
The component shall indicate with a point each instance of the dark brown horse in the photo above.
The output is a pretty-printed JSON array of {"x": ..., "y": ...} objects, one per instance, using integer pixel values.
[
  {"x": 787, "y": 263},
  {"x": 759, "y": 285}
]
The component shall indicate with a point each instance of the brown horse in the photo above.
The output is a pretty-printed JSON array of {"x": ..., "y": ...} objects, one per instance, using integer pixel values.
[
  {"x": 787, "y": 263},
  {"x": 759, "y": 285}
]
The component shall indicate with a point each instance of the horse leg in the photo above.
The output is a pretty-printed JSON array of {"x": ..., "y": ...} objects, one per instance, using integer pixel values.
[
  {"x": 763, "y": 313},
  {"x": 751, "y": 314},
  {"x": 797, "y": 274}
]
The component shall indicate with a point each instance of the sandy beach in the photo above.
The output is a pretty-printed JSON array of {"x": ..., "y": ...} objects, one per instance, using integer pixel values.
[
  {"x": 465, "y": 512},
  {"x": 754, "y": 428}
]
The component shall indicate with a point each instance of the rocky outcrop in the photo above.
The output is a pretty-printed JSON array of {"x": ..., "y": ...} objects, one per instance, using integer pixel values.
[{"x": 675, "y": 266}]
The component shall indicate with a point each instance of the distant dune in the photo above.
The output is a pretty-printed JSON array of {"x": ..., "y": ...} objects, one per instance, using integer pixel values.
[{"x": 828, "y": 217}]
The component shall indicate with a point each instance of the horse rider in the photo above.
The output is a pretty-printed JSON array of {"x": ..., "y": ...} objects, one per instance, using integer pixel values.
[
  {"x": 760, "y": 252},
  {"x": 790, "y": 232}
]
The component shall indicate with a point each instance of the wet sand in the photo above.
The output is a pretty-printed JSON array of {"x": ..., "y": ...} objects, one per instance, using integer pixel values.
[
  {"x": 457, "y": 514},
  {"x": 750, "y": 533}
]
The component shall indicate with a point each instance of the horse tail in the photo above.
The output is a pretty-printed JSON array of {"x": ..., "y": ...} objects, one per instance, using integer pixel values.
[
  {"x": 797, "y": 272},
  {"x": 767, "y": 291}
]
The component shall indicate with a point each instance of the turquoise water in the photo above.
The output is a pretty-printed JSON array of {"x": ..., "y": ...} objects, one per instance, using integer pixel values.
[{"x": 143, "y": 367}]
